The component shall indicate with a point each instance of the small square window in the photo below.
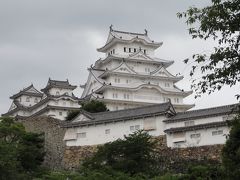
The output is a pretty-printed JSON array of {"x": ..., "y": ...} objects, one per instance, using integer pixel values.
[
  {"x": 81, "y": 135},
  {"x": 193, "y": 136},
  {"x": 137, "y": 127},
  {"x": 132, "y": 128},
  {"x": 218, "y": 132},
  {"x": 35, "y": 100},
  {"x": 107, "y": 131}
]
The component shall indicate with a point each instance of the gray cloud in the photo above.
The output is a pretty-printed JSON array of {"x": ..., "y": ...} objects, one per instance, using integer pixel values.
[{"x": 58, "y": 39}]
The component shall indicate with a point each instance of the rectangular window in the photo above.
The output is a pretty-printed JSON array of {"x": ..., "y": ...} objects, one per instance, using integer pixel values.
[
  {"x": 197, "y": 135},
  {"x": 27, "y": 99},
  {"x": 20, "y": 99},
  {"x": 137, "y": 127},
  {"x": 176, "y": 100},
  {"x": 144, "y": 51},
  {"x": 107, "y": 131},
  {"x": 60, "y": 113},
  {"x": 189, "y": 123},
  {"x": 124, "y": 49},
  {"x": 117, "y": 80},
  {"x": 126, "y": 96},
  {"x": 81, "y": 135},
  {"x": 218, "y": 132},
  {"x": 167, "y": 85},
  {"x": 129, "y": 49},
  {"x": 35, "y": 100},
  {"x": 113, "y": 51},
  {"x": 135, "y": 50},
  {"x": 115, "y": 95},
  {"x": 134, "y": 128},
  {"x": 147, "y": 69}
]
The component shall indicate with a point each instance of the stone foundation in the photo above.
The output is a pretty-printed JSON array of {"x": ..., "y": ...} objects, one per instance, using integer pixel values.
[
  {"x": 58, "y": 156},
  {"x": 53, "y": 138}
]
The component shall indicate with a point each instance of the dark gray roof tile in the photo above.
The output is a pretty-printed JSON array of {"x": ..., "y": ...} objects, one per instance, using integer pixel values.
[
  {"x": 120, "y": 115},
  {"x": 203, "y": 113}
]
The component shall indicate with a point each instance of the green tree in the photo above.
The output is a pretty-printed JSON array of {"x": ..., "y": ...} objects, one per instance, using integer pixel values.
[
  {"x": 133, "y": 154},
  {"x": 72, "y": 114},
  {"x": 21, "y": 152},
  {"x": 94, "y": 106},
  {"x": 231, "y": 150},
  {"x": 218, "y": 21}
]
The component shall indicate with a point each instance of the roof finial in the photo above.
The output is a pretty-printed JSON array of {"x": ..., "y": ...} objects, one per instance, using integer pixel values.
[
  {"x": 111, "y": 27},
  {"x": 146, "y": 32}
]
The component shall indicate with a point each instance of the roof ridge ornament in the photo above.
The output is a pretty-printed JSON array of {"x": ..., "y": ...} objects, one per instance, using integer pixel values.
[
  {"x": 146, "y": 32},
  {"x": 111, "y": 27}
]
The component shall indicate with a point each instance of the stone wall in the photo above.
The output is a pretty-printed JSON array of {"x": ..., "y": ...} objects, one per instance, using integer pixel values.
[
  {"x": 59, "y": 156},
  {"x": 53, "y": 136},
  {"x": 169, "y": 157}
]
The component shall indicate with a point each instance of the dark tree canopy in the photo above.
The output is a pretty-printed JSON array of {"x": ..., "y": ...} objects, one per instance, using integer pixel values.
[
  {"x": 21, "y": 152},
  {"x": 219, "y": 21},
  {"x": 133, "y": 154},
  {"x": 94, "y": 106},
  {"x": 231, "y": 150}
]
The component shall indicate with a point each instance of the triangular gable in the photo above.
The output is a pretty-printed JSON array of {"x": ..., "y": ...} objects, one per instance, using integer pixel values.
[
  {"x": 161, "y": 71},
  {"x": 13, "y": 106},
  {"x": 140, "y": 55},
  {"x": 33, "y": 90},
  {"x": 124, "y": 68},
  {"x": 82, "y": 116}
]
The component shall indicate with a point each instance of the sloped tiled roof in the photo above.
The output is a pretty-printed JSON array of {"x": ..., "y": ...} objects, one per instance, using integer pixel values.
[
  {"x": 208, "y": 112},
  {"x": 29, "y": 91},
  {"x": 197, "y": 127},
  {"x": 123, "y": 36},
  {"x": 59, "y": 84},
  {"x": 127, "y": 114}
]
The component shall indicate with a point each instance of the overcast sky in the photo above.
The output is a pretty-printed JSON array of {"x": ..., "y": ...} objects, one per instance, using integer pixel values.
[{"x": 58, "y": 39}]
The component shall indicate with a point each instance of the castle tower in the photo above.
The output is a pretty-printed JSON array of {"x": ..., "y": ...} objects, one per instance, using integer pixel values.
[{"x": 131, "y": 76}]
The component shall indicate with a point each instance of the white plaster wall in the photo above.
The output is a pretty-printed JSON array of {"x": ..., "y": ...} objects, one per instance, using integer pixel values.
[
  {"x": 196, "y": 121},
  {"x": 119, "y": 48},
  {"x": 59, "y": 114},
  {"x": 53, "y": 91},
  {"x": 23, "y": 100},
  {"x": 96, "y": 134},
  {"x": 206, "y": 138}
]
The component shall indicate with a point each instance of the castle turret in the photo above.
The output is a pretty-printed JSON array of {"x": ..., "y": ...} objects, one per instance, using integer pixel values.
[{"x": 131, "y": 76}]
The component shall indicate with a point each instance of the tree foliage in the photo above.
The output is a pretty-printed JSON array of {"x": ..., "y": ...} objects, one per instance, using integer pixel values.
[
  {"x": 72, "y": 114},
  {"x": 94, "y": 106},
  {"x": 231, "y": 150},
  {"x": 133, "y": 154},
  {"x": 21, "y": 152},
  {"x": 219, "y": 21}
]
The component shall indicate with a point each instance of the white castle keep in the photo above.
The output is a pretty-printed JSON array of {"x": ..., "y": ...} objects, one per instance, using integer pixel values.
[
  {"x": 140, "y": 94},
  {"x": 131, "y": 76}
]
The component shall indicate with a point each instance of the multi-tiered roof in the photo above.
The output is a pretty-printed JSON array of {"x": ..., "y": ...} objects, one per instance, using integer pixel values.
[
  {"x": 57, "y": 98},
  {"x": 131, "y": 76}
]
